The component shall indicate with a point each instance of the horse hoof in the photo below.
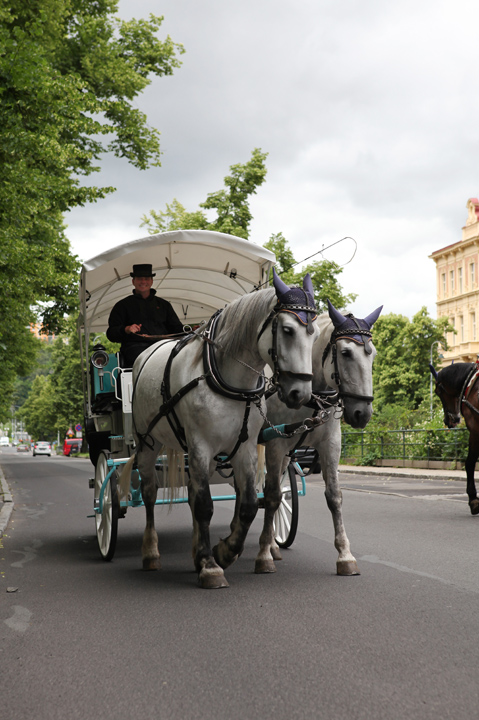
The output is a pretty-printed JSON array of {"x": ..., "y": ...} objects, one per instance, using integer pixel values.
[
  {"x": 209, "y": 581},
  {"x": 275, "y": 552},
  {"x": 474, "y": 505},
  {"x": 347, "y": 567},
  {"x": 151, "y": 563},
  {"x": 264, "y": 566}
]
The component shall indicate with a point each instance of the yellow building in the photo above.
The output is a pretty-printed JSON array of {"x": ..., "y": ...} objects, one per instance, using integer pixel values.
[{"x": 457, "y": 273}]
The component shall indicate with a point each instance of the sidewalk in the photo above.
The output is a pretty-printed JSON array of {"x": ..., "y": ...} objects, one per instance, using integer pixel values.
[{"x": 404, "y": 472}]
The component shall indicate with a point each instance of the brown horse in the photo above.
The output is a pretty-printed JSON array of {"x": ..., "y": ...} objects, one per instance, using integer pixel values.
[{"x": 458, "y": 390}]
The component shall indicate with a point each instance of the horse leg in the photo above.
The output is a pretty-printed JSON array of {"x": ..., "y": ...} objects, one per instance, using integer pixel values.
[
  {"x": 149, "y": 550},
  {"x": 329, "y": 452},
  {"x": 269, "y": 551},
  {"x": 210, "y": 574},
  {"x": 470, "y": 465},
  {"x": 246, "y": 507}
]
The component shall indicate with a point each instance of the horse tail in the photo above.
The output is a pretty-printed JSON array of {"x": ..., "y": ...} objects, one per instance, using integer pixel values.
[
  {"x": 125, "y": 479},
  {"x": 261, "y": 467},
  {"x": 174, "y": 473}
]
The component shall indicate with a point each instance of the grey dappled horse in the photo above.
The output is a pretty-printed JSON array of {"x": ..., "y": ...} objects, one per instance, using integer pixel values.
[
  {"x": 342, "y": 360},
  {"x": 204, "y": 395}
]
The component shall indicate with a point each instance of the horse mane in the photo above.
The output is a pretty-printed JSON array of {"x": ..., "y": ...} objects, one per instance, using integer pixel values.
[
  {"x": 239, "y": 321},
  {"x": 455, "y": 375}
]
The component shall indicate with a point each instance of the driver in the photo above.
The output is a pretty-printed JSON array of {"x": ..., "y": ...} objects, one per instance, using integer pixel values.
[{"x": 142, "y": 318}]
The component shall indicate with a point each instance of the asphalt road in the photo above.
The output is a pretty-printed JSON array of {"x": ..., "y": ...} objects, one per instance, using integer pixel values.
[{"x": 81, "y": 638}]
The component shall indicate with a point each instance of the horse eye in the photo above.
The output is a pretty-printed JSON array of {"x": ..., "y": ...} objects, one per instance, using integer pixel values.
[
  {"x": 287, "y": 330},
  {"x": 346, "y": 352}
]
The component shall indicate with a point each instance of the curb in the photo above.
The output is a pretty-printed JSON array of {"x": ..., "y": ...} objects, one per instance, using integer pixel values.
[
  {"x": 8, "y": 505},
  {"x": 414, "y": 473}
]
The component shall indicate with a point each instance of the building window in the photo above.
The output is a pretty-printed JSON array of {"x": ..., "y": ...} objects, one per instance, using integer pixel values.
[
  {"x": 459, "y": 279},
  {"x": 461, "y": 327},
  {"x": 451, "y": 280},
  {"x": 472, "y": 268},
  {"x": 444, "y": 289},
  {"x": 473, "y": 326},
  {"x": 453, "y": 334}
]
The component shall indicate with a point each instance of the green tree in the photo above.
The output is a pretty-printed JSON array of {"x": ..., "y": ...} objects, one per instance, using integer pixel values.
[
  {"x": 231, "y": 204},
  {"x": 401, "y": 373},
  {"x": 37, "y": 412},
  {"x": 70, "y": 71},
  {"x": 324, "y": 274}
]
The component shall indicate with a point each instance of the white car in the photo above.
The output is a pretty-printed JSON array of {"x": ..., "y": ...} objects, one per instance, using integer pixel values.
[{"x": 42, "y": 448}]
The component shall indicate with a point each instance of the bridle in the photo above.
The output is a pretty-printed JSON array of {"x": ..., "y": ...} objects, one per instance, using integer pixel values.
[
  {"x": 462, "y": 396},
  {"x": 349, "y": 332},
  {"x": 272, "y": 318}
]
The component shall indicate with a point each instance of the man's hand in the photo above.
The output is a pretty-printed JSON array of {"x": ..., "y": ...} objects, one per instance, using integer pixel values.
[{"x": 132, "y": 329}]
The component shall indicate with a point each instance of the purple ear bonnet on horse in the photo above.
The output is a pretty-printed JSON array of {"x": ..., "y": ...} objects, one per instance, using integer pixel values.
[
  {"x": 351, "y": 327},
  {"x": 300, "y": 300}
]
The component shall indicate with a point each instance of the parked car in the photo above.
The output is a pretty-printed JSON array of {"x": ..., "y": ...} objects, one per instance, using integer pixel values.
[
  {"x": 4, "y": 441},
  {"x": 23, "y": 447},
  {"x": 72, "y": 446},
  {"x": 42, "y": 448}
]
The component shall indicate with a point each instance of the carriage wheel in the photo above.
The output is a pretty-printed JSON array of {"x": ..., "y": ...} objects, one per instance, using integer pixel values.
[
  {"x": 106, "y": 521},
  {"x": 285, "y": 519}
]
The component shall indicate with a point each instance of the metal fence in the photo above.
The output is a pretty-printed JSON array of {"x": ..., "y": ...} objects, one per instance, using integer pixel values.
[{"x": 364, "y": 446}]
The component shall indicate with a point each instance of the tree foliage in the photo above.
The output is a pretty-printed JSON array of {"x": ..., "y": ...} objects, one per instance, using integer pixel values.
[
  {"x": 231, "y": 204},
  {"x": 55, "y": 401},
  {"x": 70, "y": 71},
  {"x": 401, "y": 373}
]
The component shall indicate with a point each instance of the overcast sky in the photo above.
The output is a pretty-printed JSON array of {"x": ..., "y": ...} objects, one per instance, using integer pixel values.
[{"x": 368, "y": 110}]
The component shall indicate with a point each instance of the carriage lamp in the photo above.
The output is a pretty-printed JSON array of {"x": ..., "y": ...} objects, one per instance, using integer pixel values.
[{"x": 99, "y": 360}]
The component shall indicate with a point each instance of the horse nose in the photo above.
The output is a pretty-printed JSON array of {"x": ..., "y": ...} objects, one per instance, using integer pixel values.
[
  {"x": 360, "y": 417},
  {"x": 298, "y": 395}
]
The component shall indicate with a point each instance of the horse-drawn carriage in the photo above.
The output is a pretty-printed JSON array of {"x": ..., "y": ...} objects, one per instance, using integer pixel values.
[{"x": 221, "y": 361}]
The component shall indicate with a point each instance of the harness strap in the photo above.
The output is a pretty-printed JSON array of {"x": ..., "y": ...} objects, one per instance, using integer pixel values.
[
  {"x": 470, "y": 380},
  {"x": 169, "y": 401},
  {"x": 242, "y": 437}
]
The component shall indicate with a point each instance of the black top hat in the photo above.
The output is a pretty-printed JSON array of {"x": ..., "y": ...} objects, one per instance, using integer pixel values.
[{"x": 142, "y": 271}]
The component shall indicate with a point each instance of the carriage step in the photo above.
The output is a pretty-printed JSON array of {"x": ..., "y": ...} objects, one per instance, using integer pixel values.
[{"x": 91, "y": 483}]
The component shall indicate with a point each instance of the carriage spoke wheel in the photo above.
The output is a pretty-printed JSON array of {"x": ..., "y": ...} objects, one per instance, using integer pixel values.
[
  {"x": 106, "y": 521},
  {"x": 285, "y": 519}
]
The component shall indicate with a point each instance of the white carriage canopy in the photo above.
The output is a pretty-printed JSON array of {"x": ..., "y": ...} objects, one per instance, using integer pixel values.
[{"x": 197, "y": 271}]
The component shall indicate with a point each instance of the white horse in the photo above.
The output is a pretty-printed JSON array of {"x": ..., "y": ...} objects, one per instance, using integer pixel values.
[
  {"x": 342, "y": 360},
  {"x": 204, "y": 396}
]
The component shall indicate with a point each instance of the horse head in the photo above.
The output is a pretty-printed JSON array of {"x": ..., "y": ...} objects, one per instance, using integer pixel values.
[
  {"x": 352, "y": 355},
  {"x": 288, "y": 351},
  {"x": 449, "y": 384}
]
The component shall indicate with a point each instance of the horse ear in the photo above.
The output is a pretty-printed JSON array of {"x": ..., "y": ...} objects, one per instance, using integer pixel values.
[
  {"x": 371, "y": 319},
  {"x": 336, "y": 317},
  {"x": 308, "y": 285},
  {"x": 279, "y": 285},
  {"x": 433, "y": 371}
]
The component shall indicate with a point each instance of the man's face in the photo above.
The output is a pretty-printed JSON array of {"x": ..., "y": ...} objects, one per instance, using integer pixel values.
[{"x": 142, "y": 284}]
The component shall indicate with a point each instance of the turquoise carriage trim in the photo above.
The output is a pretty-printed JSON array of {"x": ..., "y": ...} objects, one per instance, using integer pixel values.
[{"x": 136, "y": 500}]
